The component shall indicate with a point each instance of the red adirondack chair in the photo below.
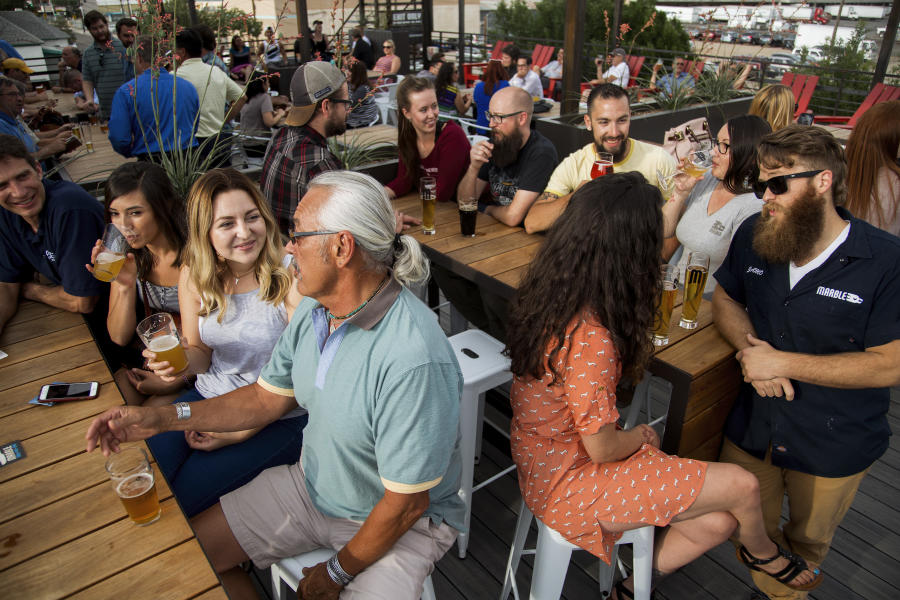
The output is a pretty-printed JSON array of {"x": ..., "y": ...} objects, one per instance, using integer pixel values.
[
  {"x": 634, "y": 66},
  {"x": 541, "y": 55},
  {"x": 498, "y": 49},
  {"x": 879, "y": 93},
  {"x": 694, "y": 68},
  {"x": 802, "y": 87}
]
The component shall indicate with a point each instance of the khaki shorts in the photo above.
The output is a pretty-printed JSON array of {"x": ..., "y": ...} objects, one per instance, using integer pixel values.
[{"x": 273, "y": 517}]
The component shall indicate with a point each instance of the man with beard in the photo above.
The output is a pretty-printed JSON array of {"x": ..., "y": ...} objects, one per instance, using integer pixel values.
[
  {"x": 299, "y": 152},
  {"x": 608, "y": 119},
  {"x": 808, "y": 295},
  {"x": 103, "y": 64},
  {"x": 516, "y": 164}
]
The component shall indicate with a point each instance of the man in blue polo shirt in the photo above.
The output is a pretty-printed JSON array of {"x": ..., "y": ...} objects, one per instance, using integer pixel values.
[
  {"x": 809, "y": 296},
  {"x": 48, "y": 227},
  {"x": 379, "y": 475},
  {"x": 147, "y": 116}
]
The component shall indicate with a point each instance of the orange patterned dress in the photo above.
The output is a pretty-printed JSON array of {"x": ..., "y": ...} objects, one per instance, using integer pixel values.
[{"x": 559, "y": 483}]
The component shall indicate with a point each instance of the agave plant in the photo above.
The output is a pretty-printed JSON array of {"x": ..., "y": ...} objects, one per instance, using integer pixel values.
[
  {"x": 719, "y": 85},
  {"x": 355, "y": 152}
]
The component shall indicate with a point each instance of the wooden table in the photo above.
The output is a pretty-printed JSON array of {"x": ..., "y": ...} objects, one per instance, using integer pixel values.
[
  {"x": 92, "y": 168},
  {"x": 698, "y": 363},
  {"x": 63, "y": 531}
]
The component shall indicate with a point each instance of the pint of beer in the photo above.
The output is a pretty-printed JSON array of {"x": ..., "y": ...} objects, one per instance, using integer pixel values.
[
  {"x": 159, "y": 334},
  {"x": 112, "y": 254},
  {"x": 428, "y": 194},
  {"x": 694, "y": 282},
  {"x": 132, "y": 478},
  {"x": 669, "y": 289}
]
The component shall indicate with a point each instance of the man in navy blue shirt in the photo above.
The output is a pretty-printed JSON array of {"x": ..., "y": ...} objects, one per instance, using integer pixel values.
[
  {"x": 809, "y": 296},
  {"x": 46, "y": 227},
  {"x": 145, "y": 115}
]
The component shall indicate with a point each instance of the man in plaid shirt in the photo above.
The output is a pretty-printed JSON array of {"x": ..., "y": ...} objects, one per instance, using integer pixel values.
[{"x": 299, "y": 152}]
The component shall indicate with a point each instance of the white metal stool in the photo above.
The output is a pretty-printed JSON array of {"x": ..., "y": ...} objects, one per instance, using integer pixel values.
[
  {"x": 290, "y": 571},
  {"x": 651, "y": 387},
  {"x": 552, "y": 555},
  {"x": 483, "y": 367}
]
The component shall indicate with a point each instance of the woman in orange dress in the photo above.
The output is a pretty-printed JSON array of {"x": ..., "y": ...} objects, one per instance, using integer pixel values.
[{"x": 582, "y": 320}]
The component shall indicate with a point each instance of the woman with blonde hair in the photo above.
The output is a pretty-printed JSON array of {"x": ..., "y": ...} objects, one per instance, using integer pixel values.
[
  {"x": 389, "y": 64},
  {"x": 776, "y": 104},
  {"x": 236, "y": 296},
  {"x": 873, "y": 175}
]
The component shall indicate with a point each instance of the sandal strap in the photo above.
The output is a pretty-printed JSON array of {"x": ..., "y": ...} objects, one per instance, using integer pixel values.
[
  {"x": 752, "y": 562},
  {"x": 796, "y": 565}
]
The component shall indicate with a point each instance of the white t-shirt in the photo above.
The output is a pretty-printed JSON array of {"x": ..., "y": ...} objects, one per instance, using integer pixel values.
[
  {"x": 531, "y": 84},
  {"x": 621, "y": 72},
  {"x": 797, "y": 273}
]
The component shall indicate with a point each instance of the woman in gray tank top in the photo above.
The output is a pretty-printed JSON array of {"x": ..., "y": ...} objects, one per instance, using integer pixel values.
[{"x": 236, "y": 296}]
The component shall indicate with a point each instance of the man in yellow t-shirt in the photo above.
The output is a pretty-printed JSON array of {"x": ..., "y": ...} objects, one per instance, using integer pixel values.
[{"x": 608, "y": 118}]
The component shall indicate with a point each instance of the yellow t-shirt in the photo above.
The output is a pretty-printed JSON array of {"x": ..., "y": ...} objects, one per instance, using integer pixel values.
[{"x": 641, "y": 157}]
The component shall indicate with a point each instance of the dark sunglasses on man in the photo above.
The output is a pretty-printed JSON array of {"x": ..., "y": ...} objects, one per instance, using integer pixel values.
[{"x": 779, "y": 184}]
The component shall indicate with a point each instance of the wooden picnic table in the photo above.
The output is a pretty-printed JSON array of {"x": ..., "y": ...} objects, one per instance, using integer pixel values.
[
  {"x": 63, "y": 531},
  {"x": 699, "y": 363},
  {"x": 92, "y": 168}
]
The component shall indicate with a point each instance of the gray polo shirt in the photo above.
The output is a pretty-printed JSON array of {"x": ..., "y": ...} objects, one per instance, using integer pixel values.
[{"x": 104, "y": 67}]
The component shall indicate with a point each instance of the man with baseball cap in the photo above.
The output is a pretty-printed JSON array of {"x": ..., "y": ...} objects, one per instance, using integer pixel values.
[
  {"x": 15, "y": 68},
  {"x": 299, "y": 152},
  {"x": 617, "y": 73}
]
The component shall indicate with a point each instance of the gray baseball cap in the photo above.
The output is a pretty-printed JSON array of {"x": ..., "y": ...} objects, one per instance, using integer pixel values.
[
  {"x": 618, "y": 52},
  {"x": 312, "y": 82}
]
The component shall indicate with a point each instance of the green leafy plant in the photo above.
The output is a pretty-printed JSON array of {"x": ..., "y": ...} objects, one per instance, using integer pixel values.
[
  {"x": 355, "y": 152},
  {"x": 718, "y": 86}
]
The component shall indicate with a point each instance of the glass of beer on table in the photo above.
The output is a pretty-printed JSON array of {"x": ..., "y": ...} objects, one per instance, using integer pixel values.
[
  {"x": 603, "y": 165},
  {"x": 87, "y": 136},
  {"x": 112, "y": 254},
  {"x": 694, "y": 282},
  {"x": 468, "y": 211},
  {"x": 132, "y": 478},
  {"x": 104, "y": 126},
  {"x": 428, "y": 194},
  {"x": 668, "y": 275},
  {"x": 159, "y": 334}
]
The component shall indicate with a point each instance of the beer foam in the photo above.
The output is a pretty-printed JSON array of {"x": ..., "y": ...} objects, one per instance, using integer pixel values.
[
  {"x": 163, "y": 343},
  {"x": 108, "y": 257},
  {"x": 134, "y": 485}
]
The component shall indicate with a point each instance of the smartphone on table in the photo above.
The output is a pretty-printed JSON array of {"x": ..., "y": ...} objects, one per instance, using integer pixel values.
[{"x": 60, "y": 392}]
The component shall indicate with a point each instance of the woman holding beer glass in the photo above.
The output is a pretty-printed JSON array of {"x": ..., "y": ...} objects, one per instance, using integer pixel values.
[
  {"x": 236, "y": 295},
  {"x": 572, "y": 334},
  {"x": 704, "y": 212},
  {"x": 428, "y": 147},
  {"x": 145, "y": 208}
]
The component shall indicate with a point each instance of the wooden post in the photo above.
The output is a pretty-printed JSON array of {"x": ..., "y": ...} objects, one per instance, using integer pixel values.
[
  {"x": 617, "y": 21},
  {"x": 887, "y": 44},
  {"x": 573, "y": 43},
  {"x": 427, "y": 26},
  {"x": 461, "y": 44},
  {"x": 303, "y": 32}
]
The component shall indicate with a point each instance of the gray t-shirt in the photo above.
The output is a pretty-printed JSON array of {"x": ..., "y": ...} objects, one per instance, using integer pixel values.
[
  {"x": 711, "y": 234},
  {"x": 251, "y": 116}
]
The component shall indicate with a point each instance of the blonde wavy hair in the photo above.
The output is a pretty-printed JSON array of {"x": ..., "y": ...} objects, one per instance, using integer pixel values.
[
  {"x": 206, "y": 270},
  {"x": 775, "y": 103}
]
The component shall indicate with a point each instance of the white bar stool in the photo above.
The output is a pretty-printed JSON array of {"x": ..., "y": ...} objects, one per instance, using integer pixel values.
[
  {"x": 552, "y": 555},
  {"x": 290, "y": 571},
  {"x": 649, "y": 389},
  {"x": 483, "y": 367}
]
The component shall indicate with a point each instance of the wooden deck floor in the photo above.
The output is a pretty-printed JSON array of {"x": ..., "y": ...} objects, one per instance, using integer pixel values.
[{"x": 862, "y": 564}]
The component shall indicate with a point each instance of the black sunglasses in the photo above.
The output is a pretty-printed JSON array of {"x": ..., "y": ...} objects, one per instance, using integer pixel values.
[{"x": 779, "y": 184}]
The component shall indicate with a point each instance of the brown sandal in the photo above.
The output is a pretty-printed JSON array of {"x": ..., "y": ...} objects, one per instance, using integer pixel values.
[{"x": 796, "y": 566}]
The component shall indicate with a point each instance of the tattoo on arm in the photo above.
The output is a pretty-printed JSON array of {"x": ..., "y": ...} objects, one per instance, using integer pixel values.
[{"x": 547, "y": 197}]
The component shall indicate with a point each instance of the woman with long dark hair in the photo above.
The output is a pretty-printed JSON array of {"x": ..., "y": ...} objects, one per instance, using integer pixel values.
[
  {"x": 581, "y": 321},
  {"x": 494, "y": 78},
  {"x": 704, "y": 213},
  {"x": 873, "y": 175},
  {"x": 143, "y": 205},
  {"x": 258, "y": 116},
  {"x": 239, "y": 54},
  {"x": 427, "y": 146},
  {"x": 363, "y": 109},
  {"x": 450, "y": 100}
]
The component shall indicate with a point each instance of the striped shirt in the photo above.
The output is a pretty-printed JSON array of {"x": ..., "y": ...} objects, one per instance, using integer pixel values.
[
  {"x": 104, "y": 67},
  {"x": 294, "y": 156}
]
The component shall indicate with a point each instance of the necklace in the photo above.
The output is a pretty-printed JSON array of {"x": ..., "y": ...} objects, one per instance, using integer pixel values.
[
  {"x": 334, "y": 317},
  {"x": 238, "y": 277}
]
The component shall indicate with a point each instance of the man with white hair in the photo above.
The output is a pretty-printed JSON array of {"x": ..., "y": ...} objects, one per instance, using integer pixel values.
[{"x": 380, "y": 469}]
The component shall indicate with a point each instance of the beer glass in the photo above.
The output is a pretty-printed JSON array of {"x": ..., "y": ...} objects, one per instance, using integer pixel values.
[
  {"x": 668, "y": 275},
  {"x": 666, "y": 183},
  {"x": 159, "y": 334},
  {"x": 603, "y": 165},
  {"x": 87, "y": 136},
  {"x": 468, "y": 211},
  {"x": 428, "y": 194},
  {"x": 76, "y": 131},
  {"x": 699, "y": 160},
  {"x": 694, "y": 281},
  {"x": 104, "y": 127},
  {"x": 112, "y": 254},
  {"x": 132, "y": 478}
]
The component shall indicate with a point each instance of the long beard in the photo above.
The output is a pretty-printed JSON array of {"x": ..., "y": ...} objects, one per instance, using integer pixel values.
[
  {"x": 794, "y": 237},
  {"x": 506, "y": 148}
]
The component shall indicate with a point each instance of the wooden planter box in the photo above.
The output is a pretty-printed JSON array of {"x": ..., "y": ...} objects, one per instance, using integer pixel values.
[{"x": 568, "y": 134}]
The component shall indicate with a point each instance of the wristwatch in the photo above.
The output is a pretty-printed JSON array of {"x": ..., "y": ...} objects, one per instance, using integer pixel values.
[{"x": 182, "y": 411}]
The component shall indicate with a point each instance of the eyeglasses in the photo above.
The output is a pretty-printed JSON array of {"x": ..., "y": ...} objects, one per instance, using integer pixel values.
[
  {"x": 340, "y": 101},
  {"x": 491, "y": 117},
  {"x": 721, "y": 147},
  {"x": 778, "y": 185},
  {"x": 387, "y": 46},
  {"x": 300, "y": 234}
]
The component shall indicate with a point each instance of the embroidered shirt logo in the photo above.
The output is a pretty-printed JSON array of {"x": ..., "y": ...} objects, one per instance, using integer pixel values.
[
  {"x": 50, "y": 256},
  {"x": 717, "y": 228},
  {"x": 839, "y": 295},
  {"x": 755, "y": 270}
]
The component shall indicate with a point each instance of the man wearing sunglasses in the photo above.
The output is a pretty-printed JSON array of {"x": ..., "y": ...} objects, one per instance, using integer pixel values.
[{"x": 809, "y": 296}]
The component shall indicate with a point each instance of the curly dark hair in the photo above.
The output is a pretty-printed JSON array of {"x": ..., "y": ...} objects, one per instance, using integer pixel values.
[
  {"x": 745, "y": 132},
  {"x": 601, "y": 255}
]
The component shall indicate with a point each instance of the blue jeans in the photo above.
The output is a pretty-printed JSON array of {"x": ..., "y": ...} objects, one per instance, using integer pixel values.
[{"x": 198, "y": 478}]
